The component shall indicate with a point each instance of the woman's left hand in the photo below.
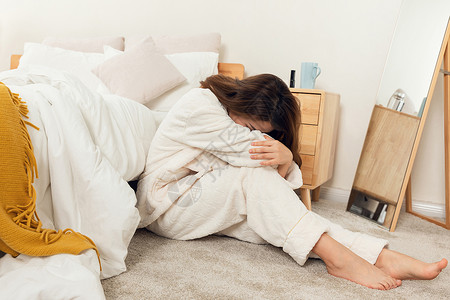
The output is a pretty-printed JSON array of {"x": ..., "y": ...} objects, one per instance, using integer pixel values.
[{"x": 272, "y": 151}]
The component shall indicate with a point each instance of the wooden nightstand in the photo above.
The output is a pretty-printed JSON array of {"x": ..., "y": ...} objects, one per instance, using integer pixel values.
[{"x": 318, "y": 131}]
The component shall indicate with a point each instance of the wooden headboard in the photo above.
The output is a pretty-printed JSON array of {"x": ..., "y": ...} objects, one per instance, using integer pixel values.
[
  {"x": 232, "y": 70},
  {"x": 228, "y": 69}
]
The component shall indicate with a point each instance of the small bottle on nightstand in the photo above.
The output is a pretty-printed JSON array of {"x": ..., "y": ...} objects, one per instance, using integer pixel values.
[{"x": 292, "y": 81}]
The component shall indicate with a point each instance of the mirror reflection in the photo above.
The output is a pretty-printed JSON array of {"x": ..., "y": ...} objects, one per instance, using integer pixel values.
[
  {"x": 385, "y": 158},
  {"x": 372, "y": 209},
  {"x": 413, "y": 55}
]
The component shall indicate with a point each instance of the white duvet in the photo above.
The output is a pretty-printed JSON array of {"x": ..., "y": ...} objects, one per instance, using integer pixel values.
[{"x": 87, "y": 148}]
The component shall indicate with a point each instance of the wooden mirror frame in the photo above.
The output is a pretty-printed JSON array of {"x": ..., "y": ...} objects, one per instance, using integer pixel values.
[
  {"x": 375, "y": 146},
  {"x": 444, "y": 55}
]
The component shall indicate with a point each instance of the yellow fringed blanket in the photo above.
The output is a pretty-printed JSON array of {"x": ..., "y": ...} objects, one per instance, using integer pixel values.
[{"x": 20, "y": 228}]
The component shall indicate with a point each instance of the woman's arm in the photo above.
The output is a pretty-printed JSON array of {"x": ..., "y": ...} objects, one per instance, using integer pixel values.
[
  {"x": 283, "y": 170},
  {"x": 276, "y": 153}
]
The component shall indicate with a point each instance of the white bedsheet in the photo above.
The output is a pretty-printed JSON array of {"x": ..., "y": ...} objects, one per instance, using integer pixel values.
[{"x": 87, "y": 148}]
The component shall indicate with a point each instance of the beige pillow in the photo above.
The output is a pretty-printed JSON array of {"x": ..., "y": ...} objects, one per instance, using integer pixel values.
[
  {"x": 141, "y": 73},
  {"x": 86, "y": 44},
  {"x": 169, "y": 44}
]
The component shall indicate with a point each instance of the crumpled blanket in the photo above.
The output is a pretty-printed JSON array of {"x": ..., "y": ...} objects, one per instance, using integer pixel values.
[{"x": 87, "y": 148}]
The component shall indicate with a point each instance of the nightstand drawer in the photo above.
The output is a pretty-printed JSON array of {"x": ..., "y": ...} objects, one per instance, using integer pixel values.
[
  {"x": 307, "y": 168},
  {"x": 308, "y": 135},
  {"x": 309, "y": 108},
  {"x": 317, "y": 136}
]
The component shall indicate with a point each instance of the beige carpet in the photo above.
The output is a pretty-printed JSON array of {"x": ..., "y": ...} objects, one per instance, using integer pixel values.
[{"x": 225, "y": 268}]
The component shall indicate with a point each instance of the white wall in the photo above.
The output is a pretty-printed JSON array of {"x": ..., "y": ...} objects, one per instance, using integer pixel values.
[{"x": 348, "y": 38}]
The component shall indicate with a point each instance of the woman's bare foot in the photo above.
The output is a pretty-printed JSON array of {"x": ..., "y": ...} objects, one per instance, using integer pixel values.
[
  {"x": 402, "y": 266},
  {"x": 342, "y": 262}
]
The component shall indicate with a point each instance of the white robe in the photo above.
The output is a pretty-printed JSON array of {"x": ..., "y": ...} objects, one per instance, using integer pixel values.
[{"x": 199, "y": 180}]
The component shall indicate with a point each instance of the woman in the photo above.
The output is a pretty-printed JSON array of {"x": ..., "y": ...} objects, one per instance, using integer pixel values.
[{"x": 225, "y": 161}]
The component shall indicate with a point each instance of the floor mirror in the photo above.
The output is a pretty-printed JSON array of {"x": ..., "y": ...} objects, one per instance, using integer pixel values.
[{"x": 415, "y": 59}]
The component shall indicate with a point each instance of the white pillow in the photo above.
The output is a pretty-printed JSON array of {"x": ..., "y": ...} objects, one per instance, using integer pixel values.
[
  {"x": 195, "y": 66},
  {"x": 77, "y": 63},
  {"x": 141, "y": 73}
]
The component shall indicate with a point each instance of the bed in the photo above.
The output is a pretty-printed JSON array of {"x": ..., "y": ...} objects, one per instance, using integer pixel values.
[{"x": 92, "y": 112}]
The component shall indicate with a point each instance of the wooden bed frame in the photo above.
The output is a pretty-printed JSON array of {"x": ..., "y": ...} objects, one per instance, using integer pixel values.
[{"x": 229, "y": 69}]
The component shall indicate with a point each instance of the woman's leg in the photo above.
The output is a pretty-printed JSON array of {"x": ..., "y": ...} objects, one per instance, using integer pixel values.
[
  {"x": 212, "y": 204},
  {"x": 377, "y": 268},
  {"x": 256, "y": 204},
  {"x": 342, "y": 262},
  {"x": 276, "y": 214},
  {"x": 402, "y": 266}
]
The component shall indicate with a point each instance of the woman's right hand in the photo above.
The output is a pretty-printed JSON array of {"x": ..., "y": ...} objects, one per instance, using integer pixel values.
[{"x": 273, "y": 152}]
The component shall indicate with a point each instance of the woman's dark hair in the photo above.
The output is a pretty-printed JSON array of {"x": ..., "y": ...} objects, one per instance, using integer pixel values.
[{"x": 264, "y": 97}]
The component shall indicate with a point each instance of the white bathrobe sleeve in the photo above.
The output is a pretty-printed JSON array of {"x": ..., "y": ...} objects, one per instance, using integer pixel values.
[
  {"x": 208, "y": 127},
  {"x": 294, "y": 176}
]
